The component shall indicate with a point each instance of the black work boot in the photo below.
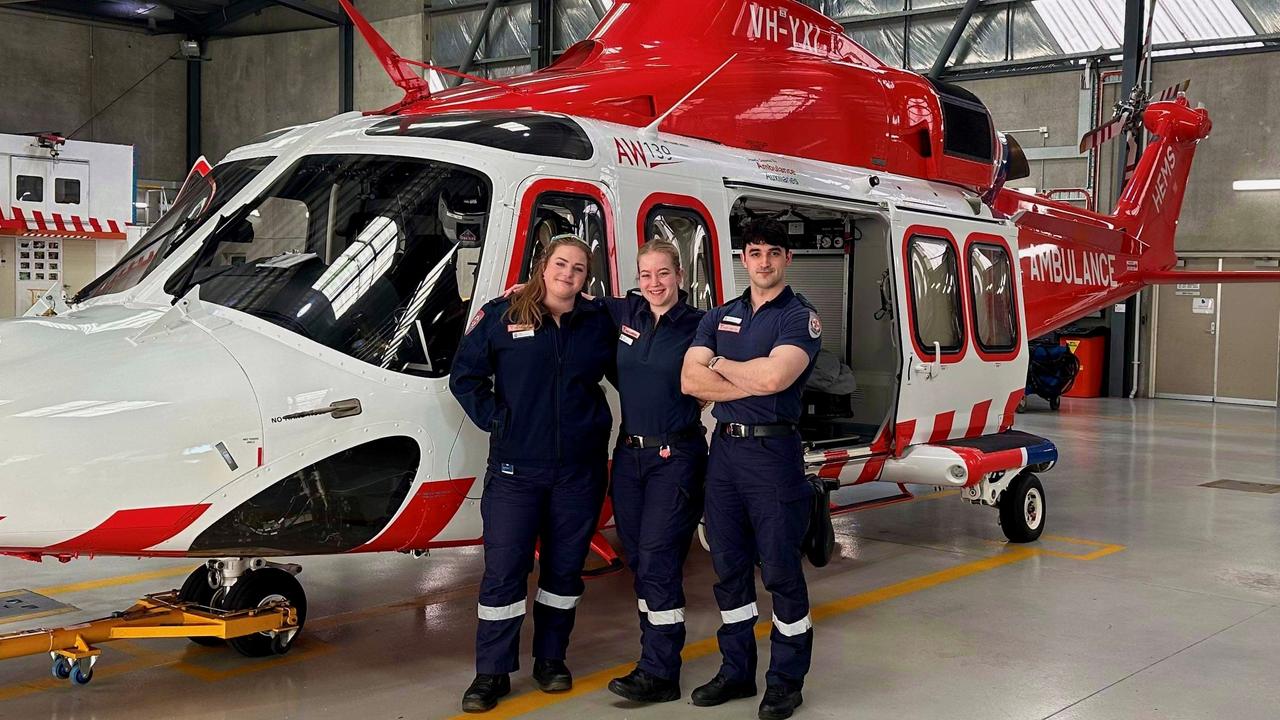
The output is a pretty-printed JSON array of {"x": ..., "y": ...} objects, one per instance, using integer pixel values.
[
  {"x": 779, "y": 702},
  {"x": 721, "y": 690},
  {"x": 551, "y": 675},
  {"x": 484, "y": 692},
  {"x": 642, "y": 687}
]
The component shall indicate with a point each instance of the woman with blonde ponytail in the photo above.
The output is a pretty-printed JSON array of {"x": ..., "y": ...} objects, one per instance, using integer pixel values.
[
  {"x": 658, "y": 463},
  {"x": 528, "y": 371}
]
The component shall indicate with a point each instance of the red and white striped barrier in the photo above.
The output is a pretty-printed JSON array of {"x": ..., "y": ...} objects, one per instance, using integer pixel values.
[{"x": 16, "y": 222}]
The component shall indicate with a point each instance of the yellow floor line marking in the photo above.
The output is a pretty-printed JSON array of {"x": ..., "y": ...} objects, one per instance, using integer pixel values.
[
  {"x": 1104, "y": 549},
  {"x": 115, "y": 581},
  {"x": 530, "y": 702}
]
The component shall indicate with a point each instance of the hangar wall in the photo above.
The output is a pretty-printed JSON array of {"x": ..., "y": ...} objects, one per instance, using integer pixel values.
[
  {"x": 57, "y": 74},
  {"x": 258, "y": 83}
]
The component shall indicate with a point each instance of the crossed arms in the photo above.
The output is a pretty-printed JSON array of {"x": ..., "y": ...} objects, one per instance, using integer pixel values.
[{"x": 734, "y": 380}]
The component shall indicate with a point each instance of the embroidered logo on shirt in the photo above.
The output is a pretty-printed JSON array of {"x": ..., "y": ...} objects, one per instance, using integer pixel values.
[
  {"x": 728, "y": 327},
  {"x": 815, "y": 325},
  {"x": 475, "y": 320},
  {"x": 628, "y": 331}
]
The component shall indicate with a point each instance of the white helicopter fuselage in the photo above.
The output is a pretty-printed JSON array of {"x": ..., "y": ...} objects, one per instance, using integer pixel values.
[{"x": 136, "y": 422}]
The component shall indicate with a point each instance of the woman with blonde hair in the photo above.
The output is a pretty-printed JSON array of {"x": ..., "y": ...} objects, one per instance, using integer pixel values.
[
  {"x": 658, "y": 463},
  {"x": 528, "y": 371}
]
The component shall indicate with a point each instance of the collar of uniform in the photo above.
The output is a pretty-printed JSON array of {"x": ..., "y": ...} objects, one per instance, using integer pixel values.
[
  {"x": 783, "y": 298},
  {"x": 639, "y": 304},
  {"x": 581, "y": 305}
]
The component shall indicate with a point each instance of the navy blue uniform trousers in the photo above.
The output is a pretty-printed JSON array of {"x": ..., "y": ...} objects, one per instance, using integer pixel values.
[
  {"x": 657, "y": 502},
  {"x": 758, "y": 505},
  {"x": 554, "y": 509}
]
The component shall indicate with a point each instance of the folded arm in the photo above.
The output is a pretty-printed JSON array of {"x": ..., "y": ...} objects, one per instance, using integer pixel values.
[
  {"x": 697, "y": 380},
  {"x": 766, "y": 375}
]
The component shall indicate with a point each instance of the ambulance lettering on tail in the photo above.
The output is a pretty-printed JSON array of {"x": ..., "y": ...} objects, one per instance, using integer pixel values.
[{"x": 1071, "y": 266}]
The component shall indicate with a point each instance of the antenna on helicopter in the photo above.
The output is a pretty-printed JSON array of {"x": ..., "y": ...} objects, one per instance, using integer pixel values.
[{"x": 650, "y": 131}]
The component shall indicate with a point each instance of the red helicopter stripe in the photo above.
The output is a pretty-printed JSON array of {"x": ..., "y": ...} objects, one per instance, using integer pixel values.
[{"x": 132, "y": 531}]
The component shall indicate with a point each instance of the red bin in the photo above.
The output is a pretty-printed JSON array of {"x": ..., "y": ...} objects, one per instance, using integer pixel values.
[{"x": 1092, "y": 354}]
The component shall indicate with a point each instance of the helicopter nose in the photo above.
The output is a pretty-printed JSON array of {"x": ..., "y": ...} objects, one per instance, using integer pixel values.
[{"x": 109, "y": 443}]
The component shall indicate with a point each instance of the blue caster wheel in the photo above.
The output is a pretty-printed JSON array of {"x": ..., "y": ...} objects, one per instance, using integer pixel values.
[
  {"x": 81, "y": 676},
  {"x": 61, "y": 668}
]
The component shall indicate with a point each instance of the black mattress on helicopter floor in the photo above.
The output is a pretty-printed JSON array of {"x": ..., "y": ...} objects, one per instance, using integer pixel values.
[{"x": 1008, "y": 440}]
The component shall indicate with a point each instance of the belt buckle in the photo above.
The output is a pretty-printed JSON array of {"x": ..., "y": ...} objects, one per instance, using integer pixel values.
[{"x": 736, "y": 430}]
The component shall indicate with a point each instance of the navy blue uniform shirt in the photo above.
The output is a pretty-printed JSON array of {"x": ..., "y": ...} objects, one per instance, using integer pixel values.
[
  {"x": 649, "y": 356},
  {"x": 538, "y": 392},
  {"x": 735, "y": 332}
]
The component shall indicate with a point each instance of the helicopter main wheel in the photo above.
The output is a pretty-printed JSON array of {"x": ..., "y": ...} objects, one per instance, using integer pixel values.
[
  {"x": 257, "y": 588},
  {"x": 198, "y": 591},
  {"x": 1022, "y": 509},
  {"x": 1055, "y": 403}
]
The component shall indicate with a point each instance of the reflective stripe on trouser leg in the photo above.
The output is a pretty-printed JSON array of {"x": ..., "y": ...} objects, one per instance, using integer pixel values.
[
  {"x": 573, "y": 511},
  {"x": 780, "y": 528},
  {"x": 733, "y": 554},
  {"x": 505, "y": 612},
  {"x": 509, "y": 508},
  {"x": 669, "y": 492}
]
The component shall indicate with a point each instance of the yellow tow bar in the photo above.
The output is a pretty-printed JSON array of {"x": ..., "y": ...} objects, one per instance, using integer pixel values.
[{"x": 73, "y": 648}]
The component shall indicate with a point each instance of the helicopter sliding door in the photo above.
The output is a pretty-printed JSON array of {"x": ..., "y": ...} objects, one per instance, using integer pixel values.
[
  {"x": 963, "y": 335},
  {"x": 840, "y": 255}
]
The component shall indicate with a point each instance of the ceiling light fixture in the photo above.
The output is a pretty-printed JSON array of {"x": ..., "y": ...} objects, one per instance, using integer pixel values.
[{"x": 1256, "y": 185}]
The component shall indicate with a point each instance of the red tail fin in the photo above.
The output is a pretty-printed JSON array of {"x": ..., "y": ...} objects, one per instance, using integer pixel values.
[{"x": 1149, "y": 206}]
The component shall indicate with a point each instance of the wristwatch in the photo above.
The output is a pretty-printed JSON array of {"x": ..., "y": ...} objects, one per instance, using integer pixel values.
[{"x": 711, "y": 365}]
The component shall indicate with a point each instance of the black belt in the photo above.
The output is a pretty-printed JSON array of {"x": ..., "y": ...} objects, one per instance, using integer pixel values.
[
  {"x": 738, "y": 430},
  {"x": 640, "y": 442}
]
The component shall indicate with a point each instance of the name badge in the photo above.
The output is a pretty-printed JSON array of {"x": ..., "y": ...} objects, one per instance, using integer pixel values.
[
  {"x": 520, "y": 331},
  {"x": 728, "y": 327},
  {"x": 732, "y": 319},
  {"x": 626, "y": 339},
  {"x": 629, "y": 331}
]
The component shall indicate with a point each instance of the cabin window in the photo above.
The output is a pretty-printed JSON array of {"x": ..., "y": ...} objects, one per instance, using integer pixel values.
[
  {"x": 66, "y": 191},
  {"x": 688, "y": 231},
  {"x": 199, "y": 199},
  {"x": 28, "y": 188},
  {"x": 373, "y": 256},
  {"x": 935, "y": 294},
  {"x": 557, "y": 213},
  {"x": 995, "y": 319}
]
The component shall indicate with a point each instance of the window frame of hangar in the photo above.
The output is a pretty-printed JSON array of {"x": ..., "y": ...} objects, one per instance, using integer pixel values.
[
  {"x": 39, "y": 185},
  {"x": 532, "y": 195},
  {"x": 693, "y": 208},
  {"x": 949, "y": 353},
  {"x": 993, "y": 353}
]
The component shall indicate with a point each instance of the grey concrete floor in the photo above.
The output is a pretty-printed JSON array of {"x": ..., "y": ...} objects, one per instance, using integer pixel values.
[{"x": 1149, "y": 597}]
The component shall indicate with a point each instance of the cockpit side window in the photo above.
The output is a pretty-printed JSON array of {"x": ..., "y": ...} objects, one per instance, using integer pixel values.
[
  {"x": 557, "y": 213},
  {"x": 375, "y": 257}
]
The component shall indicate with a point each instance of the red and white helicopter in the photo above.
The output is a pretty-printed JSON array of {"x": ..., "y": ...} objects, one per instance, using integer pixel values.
[{"x": 265, "y": 373}]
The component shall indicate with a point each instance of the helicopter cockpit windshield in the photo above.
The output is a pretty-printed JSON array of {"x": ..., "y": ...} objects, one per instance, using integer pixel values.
[
  {"x": 200, "y": 198},
  {"x": 373, "y": 256}
]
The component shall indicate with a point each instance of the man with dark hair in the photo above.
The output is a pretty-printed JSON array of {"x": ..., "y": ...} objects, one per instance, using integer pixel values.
[{"x": 751, "y": 357}]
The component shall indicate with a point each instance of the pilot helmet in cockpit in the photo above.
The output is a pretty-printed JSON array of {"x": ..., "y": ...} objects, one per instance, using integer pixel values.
[{"x": 462, "y": 213}]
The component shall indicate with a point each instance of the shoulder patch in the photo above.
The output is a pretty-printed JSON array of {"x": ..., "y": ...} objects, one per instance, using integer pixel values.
[
  {"x": 475, "y": 320},
  {"x": 815, "y": 325}
]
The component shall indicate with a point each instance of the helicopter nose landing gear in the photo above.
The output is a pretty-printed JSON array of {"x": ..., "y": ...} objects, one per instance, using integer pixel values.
[{"x": 255, "y": 606}]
